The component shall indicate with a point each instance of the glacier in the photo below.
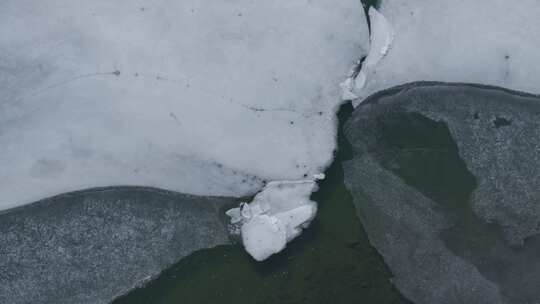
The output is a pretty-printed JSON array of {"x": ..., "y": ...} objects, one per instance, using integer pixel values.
[{"x": 202, "y": 98}]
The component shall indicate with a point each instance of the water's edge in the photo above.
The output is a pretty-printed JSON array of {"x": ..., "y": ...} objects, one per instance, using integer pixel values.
[{"x": 331, "y": 261}]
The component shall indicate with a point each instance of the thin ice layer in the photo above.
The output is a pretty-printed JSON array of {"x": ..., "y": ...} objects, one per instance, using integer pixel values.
[
  {"x": 198, "y": 97},
  {"x": 474, "y": 41}
]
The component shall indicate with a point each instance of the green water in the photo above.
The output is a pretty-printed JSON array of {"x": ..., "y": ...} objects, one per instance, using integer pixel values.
[
  {"x": 424, "y": 155},
  {"x": 331, "y": 262}
]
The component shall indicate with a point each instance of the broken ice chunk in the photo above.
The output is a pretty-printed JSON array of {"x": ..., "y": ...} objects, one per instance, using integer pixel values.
[
  {"x": 235, "y": 215},
  {"x": 381, "y": 38},
  {"x": 275, "y": 216},
  {"x": 347, "y": 89},
  {"x": 263, "y": 236},
  {"x": 319, "y": 176},
  {"x": 296, "y": 219}
]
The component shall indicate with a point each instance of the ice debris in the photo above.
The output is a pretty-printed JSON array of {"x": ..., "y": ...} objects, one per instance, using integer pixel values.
[{"x": 276, "y": 215}]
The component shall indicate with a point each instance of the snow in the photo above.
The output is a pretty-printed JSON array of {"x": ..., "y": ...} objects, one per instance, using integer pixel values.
[
  {"x": 276, "y": 216},
  {"x": 493, "y": 43},
  {"x": 191, "y": 96}
]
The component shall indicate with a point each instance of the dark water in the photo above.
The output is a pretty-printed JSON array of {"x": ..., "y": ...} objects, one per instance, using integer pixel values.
[
  {"x": 331, "y": 262},
  {"x": 424, "y": 155}
]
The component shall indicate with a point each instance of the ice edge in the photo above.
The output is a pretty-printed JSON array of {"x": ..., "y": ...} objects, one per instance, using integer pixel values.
[
  {"x": 282, "y": 209},
  {"x": 381, "y": 37}
]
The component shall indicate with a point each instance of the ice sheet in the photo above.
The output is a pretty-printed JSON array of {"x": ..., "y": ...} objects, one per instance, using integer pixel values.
[{"x": 208, "y": 98}]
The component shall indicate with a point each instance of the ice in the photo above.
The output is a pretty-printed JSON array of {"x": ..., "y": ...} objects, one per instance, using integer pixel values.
[
  {"x": 275, "y": 216},
  {"x": 207, "y": 98},
  {"x": 489, "y": 42},
  {"x": 381, "y": 38},
  {"x": 263, "y": 236}
]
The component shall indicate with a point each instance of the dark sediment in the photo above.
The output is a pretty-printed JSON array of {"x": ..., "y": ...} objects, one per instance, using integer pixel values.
[
  {"x": 92, "y": 246},
  {"x": 445, "y": 179}
]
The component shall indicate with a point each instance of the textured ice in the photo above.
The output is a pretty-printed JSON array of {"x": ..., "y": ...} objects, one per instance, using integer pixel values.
[
  {"x": 190, "y": 96},
  {"x": 275, "y": 216},
  {"x": 489, "y": 42}
]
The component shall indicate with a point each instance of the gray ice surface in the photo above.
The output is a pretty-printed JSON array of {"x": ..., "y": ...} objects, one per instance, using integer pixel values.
[
  {"x": 470, "y": 235},
  {"x": 92, "y": 246}
]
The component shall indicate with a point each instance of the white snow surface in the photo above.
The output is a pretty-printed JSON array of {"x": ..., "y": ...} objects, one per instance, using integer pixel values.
[
  {"x": 197, "y": 96},
  {"x": 492, "y": 42},
  {"x": 275, "y": 216}
]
